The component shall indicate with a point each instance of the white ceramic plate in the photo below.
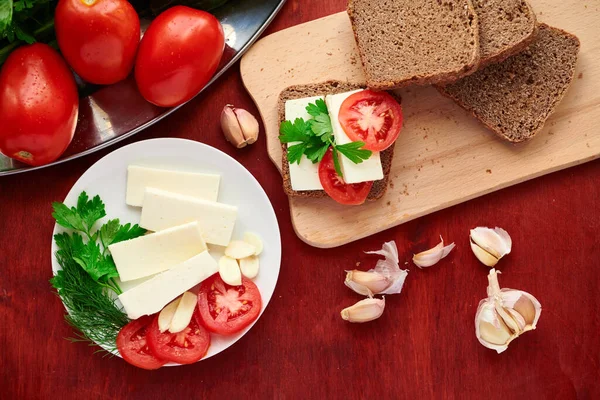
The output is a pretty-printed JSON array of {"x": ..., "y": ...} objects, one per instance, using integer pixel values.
[{"x": 108, "y": 178}]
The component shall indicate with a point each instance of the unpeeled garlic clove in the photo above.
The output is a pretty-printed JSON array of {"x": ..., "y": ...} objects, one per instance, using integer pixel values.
[
  {"x": 366, "y": 283},
  {"x": 364, "y": 311},
  {"x": 432, "y": 256},
  {"x": 504, "y": 315},
  {"x": 239, "y": 126},
  {"x": 490, "y": 245},
  {"x": 388, "y": 268}
]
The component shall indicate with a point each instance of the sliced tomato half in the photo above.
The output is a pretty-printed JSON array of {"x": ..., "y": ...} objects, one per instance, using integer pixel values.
[
  {"x": 132, "y": 344},
  {"x": 371, "y": 117},
  {"x": 226, "y": 309},
  {"x": 185, "y": 347},
  {"x": 336, "y": 188}
]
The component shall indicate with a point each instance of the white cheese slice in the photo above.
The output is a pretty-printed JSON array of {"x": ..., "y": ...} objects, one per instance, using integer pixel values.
[
  {"x": 368, "y": 170},
  {"x": 204, "y": 186},
  {"x": 303, "y": 176},
  {"x": 151, "y": 296},
  {"x": 157, "y": 252},
  {"x": 163, "y": 210}
]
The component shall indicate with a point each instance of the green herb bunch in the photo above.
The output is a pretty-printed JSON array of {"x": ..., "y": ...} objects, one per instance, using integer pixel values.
[
  {"x": 314, "y": 137},
  {"x": 86, "y": 281}
]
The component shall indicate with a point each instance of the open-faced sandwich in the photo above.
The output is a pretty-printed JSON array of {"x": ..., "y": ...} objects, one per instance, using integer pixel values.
[{"x": 337, "y": 140}]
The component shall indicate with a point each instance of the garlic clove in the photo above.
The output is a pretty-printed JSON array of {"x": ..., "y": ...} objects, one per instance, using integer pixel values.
[
  {"x": 254, "y": 240},
  {"x": 229, "y": 271},
  {"x": 483, "y": 256},
  {"x": 432, "y": 256},
  {"x": 183, "y": 314},
  {"x": 490, "y": 329},
  {"x": 231, "y": 127},
  {"x": 166, "y": 315},
  {"x": 366, "y": 283},
  {"x": 249, "y": 266},
  {"x": 496, "y": 242},
  {"x": 248, "y": 123},
  {"x": 389, "y": 267},
  {"x": 523, "y": 303},
  {"x": 364, "y": 311},
  {"x": 239, "y": 249}
]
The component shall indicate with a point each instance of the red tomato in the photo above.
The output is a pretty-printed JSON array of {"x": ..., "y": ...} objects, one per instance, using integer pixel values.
[
  {"x": 336, "y": 188},
  {"x": 98, "y": 38},
  {"x": 178, "y": 55},
  {"x": 133, "y": 345},
  {"x": 228, "y": 309},
  {"x": 185, "y": 347},
  {"x": 371, "y": 117},
  {"x": 38, "y": 105}
]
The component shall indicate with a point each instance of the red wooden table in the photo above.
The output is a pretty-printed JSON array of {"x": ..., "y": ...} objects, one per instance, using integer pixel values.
[{"x": 423, "y": 346}]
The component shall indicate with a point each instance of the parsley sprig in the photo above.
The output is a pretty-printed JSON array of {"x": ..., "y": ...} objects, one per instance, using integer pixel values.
[{"x": 313, "y": 137}]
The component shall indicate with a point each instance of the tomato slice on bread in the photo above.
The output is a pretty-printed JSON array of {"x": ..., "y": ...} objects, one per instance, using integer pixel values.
[
  {"x": 132, "y": 344},
  {"x": 371, "y": 117},
  {"x": 226, "y": 309},
  {"x": 185, "y": 347},
  {"x": 336, "y": 188}
]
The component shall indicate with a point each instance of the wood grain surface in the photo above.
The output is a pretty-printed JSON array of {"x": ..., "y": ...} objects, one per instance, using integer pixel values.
[
  {"x": 443, "y": 155},
  {"x": 422, "y": 347}
]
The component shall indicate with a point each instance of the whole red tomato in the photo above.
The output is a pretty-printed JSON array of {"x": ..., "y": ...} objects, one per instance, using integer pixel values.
[
  {"x": 98, "y": 38},
  {"x": 178, "y": 55},
  {"x": 38, "y": 105}
]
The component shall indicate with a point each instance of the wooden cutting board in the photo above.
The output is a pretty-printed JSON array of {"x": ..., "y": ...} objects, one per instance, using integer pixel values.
[{"x": 443, "y": 156}]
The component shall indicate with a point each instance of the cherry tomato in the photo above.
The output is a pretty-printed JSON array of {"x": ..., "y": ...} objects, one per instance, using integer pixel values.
[
  {"x": 98, "y": 38},
  {"x": 185, "y": 347},
  {"x": 336, "y": 188},
  {"x": 371, "y": 117},
  {"x": 132, "y": 344},
  {"x": 38, "y": 105},
  {"x": 228, "y": 309},
  {"x": 178, "y": 55}
]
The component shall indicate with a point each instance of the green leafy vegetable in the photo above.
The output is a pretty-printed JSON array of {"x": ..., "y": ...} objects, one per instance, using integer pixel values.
[
  {"x": 86, "y": 280},
  {"x": 312, "y": 138}
]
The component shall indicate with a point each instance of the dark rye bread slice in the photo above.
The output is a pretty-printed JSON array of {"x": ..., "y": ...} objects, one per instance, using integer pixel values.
[
  {"x": 322, "y": 89},
  {"x": 405, "y": 42},
  {"x": 515, "y": 97},
  {"x": 506, "y": 27}
]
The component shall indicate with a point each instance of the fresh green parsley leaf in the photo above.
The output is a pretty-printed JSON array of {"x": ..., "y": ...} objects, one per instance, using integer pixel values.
[
  {"x": 316, "y": 153},
  {"x": 354, "y": 152},
  {"x": 113, "y": 232},
  {"x": 321, "y": 125},
  {"x": 295, "y": 152},
  {"x": 336, "y": 162},
  {"x": 293, "y": 132},
  {"x": 67, "y": 217},
  {"x": 317, "y": 108},
  {"x": 90, "y": 210}
]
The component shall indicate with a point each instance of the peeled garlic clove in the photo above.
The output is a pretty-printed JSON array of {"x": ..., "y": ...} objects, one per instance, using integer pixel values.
[
  {"x": 496, "y": 242},
  {"x": 254, "y": 240},
  {"x": 249, "y": 267},
  {"x": 166, "y": 315},
  {"x": 366, "y": 283},
  {"x": 229, "y": 271},
  {"x": 231, "y": 127},
  {"x": 248, "y": 123},
  {"x": 364, "y": 311},
  {"x": 483, "y": 256},
  {"x": 183, "y": 314},
  {"x": 432, "y": 256},
  {"x": 239, "y": 249}
]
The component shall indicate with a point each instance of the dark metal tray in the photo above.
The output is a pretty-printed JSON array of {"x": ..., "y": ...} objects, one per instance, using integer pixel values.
[{"x": 112, "y": 113}]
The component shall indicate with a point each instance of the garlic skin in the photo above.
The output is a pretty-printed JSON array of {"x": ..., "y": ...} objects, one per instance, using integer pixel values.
[
  {"x": 431, "y": 257},
  {"x": 364, "y": 311},
  {"x": 385, "y": 278},
  {"x": 504, "y": 315},
  {"x": 239, "y": 126},
  {"x": 490, "y": 245}
]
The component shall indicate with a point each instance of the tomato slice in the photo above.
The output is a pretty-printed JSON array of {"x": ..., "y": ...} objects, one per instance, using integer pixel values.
[
  {"x": 371, "y": 117},
  {"x": 185, "y": 347},
  {"x": 336, "y": 188},
  {"x": 228, "y": 309},
  {"x": 133, "y": 345}
]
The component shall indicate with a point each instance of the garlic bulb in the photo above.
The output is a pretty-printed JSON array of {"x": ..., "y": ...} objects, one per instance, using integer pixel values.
[
  {"x": 385, "y": 278},
  {"x": 490, "y": 245},
  {"x": 430, "y": 257},
  {"x": 364, "y": 311},
  {"x": 504, "y": 315}
]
